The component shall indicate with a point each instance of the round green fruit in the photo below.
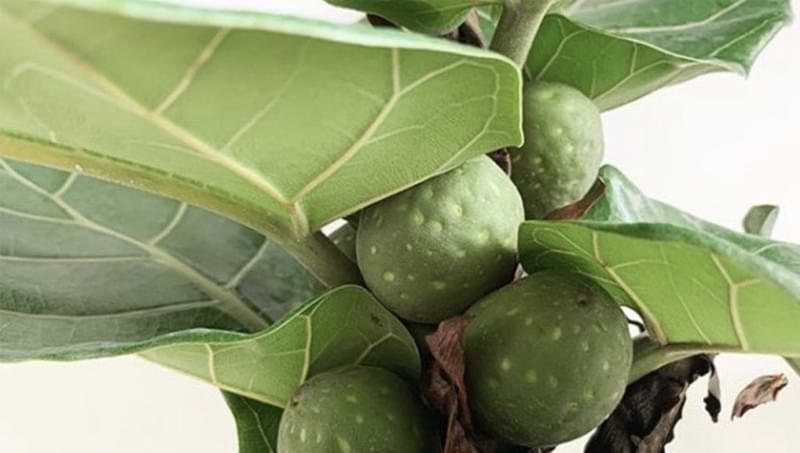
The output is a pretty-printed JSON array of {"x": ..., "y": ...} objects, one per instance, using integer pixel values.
[
  {"x": 563, "y": 149},
  {"x": 344, "y": 238},
  {"x": 428, "y": 253},
  {"x": 356, "y": 410},
  {"x": 547, "y": 359}
]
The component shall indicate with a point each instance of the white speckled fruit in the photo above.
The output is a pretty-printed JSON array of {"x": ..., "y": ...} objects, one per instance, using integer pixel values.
[
  {"x": 356, "y": 410},
  {"x": 563, "y": 148},
  {"x": 428, "y": 253},
  {"x": 547, "y": 359}
]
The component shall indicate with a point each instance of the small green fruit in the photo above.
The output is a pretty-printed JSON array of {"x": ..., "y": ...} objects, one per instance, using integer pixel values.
[
  {"x": 353, "y": 410},
  {"x": 563, "y": 149},
  {"x": 428, "y": 253},
  {"x": 547, "y": 359},
  {"x": 344, "y": 238}
]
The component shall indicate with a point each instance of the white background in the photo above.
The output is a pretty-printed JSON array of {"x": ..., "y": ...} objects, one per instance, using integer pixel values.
[{"x": 713, "y": 146}]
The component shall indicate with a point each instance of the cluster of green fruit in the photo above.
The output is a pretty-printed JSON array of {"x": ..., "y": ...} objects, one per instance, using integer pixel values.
[{"x": 547, "y": 356}]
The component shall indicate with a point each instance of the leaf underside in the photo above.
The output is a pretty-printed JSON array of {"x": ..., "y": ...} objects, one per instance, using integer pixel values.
[
  {"x": 693, "y": 282},
  {"x": 282, "y": 124},
  {"x": 90, "y": 269},
  {"x": 345, "y": 326},
  {"x": 256, "y": 424},
  {"x": 616, "y": 51}
]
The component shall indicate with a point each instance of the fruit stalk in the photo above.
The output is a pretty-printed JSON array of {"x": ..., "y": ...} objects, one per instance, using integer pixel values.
[{"x": 517, "y": 28}]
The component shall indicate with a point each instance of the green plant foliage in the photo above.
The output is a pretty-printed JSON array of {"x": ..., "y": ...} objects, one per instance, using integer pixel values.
[
  {"x": 256, "y": 424},
  {"x": 345, "y": 326},
  {"x": 282, "y": 124},
  {"x": 90, "y": 269},
  {"x": 760, "y": 220},
  {"x": 427, "y": 16},
  {"x": 617, "y": 51},
  {"x": 693, "y": 282}
]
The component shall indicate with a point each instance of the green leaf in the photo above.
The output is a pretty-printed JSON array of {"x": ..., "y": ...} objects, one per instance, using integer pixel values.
[
  {"x": 256, "y": 424},
  {"x": 616, "y": 51},
  {"x": 90, "y": 269},
  {"x": 283, "y": 124},
  {"x": 795, "y": 364},
  {"x": 760, "y": 220},
  {"x": 693, "y": 282},
  {"x": 345, "y": 326}
]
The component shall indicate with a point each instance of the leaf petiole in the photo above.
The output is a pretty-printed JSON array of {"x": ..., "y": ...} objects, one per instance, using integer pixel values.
[{"x": 518, "y": 26}]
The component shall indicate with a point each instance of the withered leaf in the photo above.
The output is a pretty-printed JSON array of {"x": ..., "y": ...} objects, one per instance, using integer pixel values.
[
  {"x": 761, "y": 391},
  {"x": 713, "y": 400},
  {"x": 444, "y": 384},
  {"x": 579, "y": 208},
  {"x": 503, "y": 160},
  {"x": 650, "y": 408},
  {"x": 663, "y": 431}
]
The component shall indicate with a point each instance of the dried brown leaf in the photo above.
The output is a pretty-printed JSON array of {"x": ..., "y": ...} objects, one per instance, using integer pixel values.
[
  {"x": 444, "y": 385},
  {"x": 579, "y": 208},
  {"x": 646, "y": 417},
  {"x": 761, "y": 391}
]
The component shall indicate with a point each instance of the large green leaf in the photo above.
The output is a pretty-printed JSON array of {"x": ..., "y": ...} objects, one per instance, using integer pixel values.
[
  {"x": 760, "y": 220},
  {"x": 343, "y": 327},
  {"x": 256, "y": 424},
  {"x": 693, "y": 282},
  {"x": 89, "y": 268},
  {"x": 283, "y": 124},
  {"x": 616, "y": 51},
  {"x": 427, "y": 16}
]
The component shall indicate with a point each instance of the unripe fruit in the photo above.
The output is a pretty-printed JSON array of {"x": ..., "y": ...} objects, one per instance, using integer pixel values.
[
  {"x": 428, "y": 253},
  {"x": 344, "y": 238},
  {"x": 547, "y": 359},
  {"x": 563, "y": 149},
  {"x": 356, "y": 409}
]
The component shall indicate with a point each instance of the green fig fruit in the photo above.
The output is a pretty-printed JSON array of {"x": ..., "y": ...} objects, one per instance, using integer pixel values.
[
  {"x": 344, "y": 238},
  {"x": 428, "y": 253},
  {"x": 563, "y": 149},
  {"x": 547, "y": 359},
  {"x": 356, "y": 409}
]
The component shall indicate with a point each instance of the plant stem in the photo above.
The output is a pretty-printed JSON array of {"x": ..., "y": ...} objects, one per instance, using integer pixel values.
[
  {"x": 517, "y": 28},
  {"x": 324, "y": 260}
]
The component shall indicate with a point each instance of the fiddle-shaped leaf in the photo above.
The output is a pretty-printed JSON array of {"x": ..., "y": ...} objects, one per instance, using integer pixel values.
[
  {"x": 256, "y": 424},
  {"x": 282, "y": 124},
  {"x": 693, "y": 282},
  {"x": 345, "y": 326},
  {"x": 617, "y": 51}
]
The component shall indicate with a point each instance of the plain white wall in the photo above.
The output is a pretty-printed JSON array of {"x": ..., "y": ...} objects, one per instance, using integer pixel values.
[{"x": 713, "y": 146}]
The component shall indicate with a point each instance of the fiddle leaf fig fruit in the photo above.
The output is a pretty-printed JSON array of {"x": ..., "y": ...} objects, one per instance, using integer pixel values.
[
  {"x": 428, "y": 253},
  {"x": 559, "y": 161},
  {"x": 547, "y": 359},
  {"x": 356, "y": 409}
]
